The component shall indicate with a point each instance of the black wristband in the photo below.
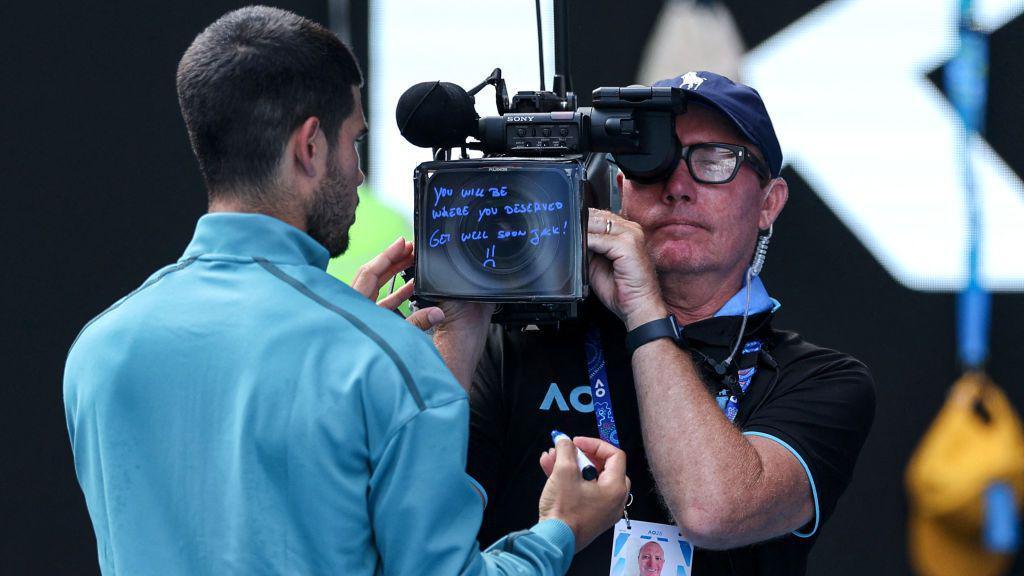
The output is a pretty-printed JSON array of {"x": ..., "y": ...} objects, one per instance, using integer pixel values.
[{"x": 654, "y": 330}]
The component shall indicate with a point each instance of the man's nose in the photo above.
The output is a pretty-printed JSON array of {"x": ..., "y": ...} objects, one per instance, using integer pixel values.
[{"x": 680, "y": 186}]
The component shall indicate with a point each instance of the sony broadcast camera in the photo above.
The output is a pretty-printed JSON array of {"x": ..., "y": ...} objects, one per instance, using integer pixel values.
[{"x": 511, "y": 227}]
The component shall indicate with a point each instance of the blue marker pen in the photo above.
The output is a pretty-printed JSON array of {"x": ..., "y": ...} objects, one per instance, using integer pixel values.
[{"x": 587, "y": 468}]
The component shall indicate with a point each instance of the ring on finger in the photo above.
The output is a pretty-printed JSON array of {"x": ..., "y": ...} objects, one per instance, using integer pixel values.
[{"x": 608, "y": 226}]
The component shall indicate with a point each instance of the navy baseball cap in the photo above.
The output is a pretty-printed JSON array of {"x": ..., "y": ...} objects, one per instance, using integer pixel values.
[{"x": 739, "y": 103}]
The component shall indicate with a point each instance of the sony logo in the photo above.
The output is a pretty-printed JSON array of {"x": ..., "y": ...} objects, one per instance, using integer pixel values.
[{"x": 520, "y": 118}]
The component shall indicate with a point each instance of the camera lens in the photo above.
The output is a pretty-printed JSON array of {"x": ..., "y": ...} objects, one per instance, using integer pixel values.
[{"x": 498, "y": 233}]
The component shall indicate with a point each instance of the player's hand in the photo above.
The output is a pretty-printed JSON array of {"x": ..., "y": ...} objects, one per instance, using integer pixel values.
[
  {"x": 381, "y": 269},
  {"x": 588, "y": 507},
  {"x": 621, "y": 273}
]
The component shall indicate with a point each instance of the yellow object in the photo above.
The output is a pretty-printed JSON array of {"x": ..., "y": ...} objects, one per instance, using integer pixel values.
[{"x": 961, "y": 454}]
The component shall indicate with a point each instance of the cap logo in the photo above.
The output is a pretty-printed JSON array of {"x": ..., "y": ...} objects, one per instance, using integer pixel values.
[{"x": 691, "y": 81}]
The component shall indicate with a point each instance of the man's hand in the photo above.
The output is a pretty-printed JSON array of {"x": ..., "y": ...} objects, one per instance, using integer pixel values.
[
  {"x": 621, "y": 273},
  {"x": 460, "y": 338},
  {"x": 374, "y": 274},
  {"x": 588, "y": 507},
  {"x": 466, "y": 315}
]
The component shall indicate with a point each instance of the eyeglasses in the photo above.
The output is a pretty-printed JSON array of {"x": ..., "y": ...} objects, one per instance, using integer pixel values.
[{"x": 717, "y": 163}]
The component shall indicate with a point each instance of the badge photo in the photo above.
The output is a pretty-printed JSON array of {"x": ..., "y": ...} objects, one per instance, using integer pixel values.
[{"x": 649, "y": 549}]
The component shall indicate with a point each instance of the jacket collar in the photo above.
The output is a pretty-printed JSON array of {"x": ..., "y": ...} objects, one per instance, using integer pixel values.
[{"x": 232, "y": 234}]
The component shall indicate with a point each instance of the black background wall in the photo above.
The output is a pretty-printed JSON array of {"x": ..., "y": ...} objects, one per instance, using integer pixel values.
[{"x": 99, "y": 189}]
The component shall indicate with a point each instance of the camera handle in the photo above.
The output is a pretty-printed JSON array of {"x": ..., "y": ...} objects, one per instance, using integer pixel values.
[{"x": 500, "y": 91}]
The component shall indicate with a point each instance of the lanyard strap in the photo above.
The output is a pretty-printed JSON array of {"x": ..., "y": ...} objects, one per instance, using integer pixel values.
[
  {"x": 602, "y": 395},
  {"x": 599, "y": 390}
]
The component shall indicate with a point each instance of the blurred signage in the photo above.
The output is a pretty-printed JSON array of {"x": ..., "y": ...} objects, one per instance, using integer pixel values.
[{"x": 847, "y": 89}]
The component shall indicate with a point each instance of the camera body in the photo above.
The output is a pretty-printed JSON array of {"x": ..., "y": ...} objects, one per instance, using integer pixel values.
[
  {"x": 511, "y": 227},
  {"x": 636, "y": 124}
]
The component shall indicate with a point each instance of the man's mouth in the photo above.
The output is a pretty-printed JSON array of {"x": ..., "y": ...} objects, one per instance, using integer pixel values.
[{"x": 680, "y": 227}]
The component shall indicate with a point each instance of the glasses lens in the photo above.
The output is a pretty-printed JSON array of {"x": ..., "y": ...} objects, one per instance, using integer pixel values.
[{"x": 713, "y": 163}]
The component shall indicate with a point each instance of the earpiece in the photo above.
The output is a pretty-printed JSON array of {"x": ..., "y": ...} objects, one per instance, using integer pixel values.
[{"x": 761, "y": 252}]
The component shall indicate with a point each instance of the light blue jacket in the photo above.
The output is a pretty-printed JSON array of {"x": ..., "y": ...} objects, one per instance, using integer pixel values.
[{"x": 243, "y": 412}]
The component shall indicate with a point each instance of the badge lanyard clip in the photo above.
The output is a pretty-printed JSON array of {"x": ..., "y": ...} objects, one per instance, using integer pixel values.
[{"x": 625, "y": 509}]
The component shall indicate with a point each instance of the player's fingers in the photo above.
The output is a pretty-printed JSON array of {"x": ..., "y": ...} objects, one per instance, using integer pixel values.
[
  {"x": 547, "y": 461},
  {"x": 614, "y": 473},
  {"x": 605, "y": 456},
  {"x": 400, "y": 263},
  {"x": 596, "y": 449},
  {"x": 367, "y": 279},
  {"x": 565, "y": 459},
  {"x": 394, "y": 300}
]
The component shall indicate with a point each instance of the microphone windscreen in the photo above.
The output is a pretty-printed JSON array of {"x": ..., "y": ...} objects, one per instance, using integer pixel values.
[{"x": 436, "y": 115}]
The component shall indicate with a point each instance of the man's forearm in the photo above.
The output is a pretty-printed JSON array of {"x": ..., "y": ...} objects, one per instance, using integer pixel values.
[
  {"x": 705, "y": 469},
  {"x": 461, "y": 351}
]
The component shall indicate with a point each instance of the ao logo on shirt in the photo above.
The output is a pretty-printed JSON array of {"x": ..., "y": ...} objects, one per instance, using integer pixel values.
[{"x": 579, "y": 398}]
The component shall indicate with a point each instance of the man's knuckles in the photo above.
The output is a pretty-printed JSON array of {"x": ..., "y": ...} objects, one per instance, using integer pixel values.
[{"x": 564, "y": 466}]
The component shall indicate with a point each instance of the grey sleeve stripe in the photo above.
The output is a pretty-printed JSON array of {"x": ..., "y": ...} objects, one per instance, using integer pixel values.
[
  {"x": 179, "y": 266},
  {"x": 406, "y": 375}
]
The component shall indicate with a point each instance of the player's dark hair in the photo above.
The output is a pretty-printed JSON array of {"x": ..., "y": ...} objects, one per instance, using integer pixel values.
[{"x": 248, "y": 81}]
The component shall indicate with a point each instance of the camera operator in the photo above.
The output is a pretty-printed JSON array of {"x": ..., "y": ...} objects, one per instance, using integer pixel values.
[
  {"x": 741, "y": 436},
  {"x": 243, "y": 412}
]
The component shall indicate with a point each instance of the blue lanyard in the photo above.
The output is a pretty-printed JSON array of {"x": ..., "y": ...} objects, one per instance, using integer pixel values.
[
  {"x": 599, "y": 390},
  {"x": 602, "y": 395}
]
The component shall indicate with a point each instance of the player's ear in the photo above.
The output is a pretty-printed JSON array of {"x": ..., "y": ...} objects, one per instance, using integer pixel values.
[{"x": 307, "y": 144}]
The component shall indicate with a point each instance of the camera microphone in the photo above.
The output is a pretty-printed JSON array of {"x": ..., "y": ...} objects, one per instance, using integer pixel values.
[{"x": 436, "y": 115}]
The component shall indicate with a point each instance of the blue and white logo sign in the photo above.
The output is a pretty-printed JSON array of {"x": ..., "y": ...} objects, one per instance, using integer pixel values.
[{"x": 860, "y": 121}]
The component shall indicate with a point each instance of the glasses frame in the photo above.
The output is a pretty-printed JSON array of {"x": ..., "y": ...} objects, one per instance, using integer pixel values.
[{"x": 742, "y": 152}]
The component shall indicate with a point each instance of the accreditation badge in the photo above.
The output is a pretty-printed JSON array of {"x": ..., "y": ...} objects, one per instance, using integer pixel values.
[{"x": 647, "y": 548}]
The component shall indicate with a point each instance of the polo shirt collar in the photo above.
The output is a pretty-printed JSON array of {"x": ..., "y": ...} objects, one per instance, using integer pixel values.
[
  {"x": 254, "y": 235},
  {"x": 760, "y": 301}
]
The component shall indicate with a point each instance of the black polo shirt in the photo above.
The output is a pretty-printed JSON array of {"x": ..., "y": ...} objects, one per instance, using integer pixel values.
[{"x": 816, "y": 401}]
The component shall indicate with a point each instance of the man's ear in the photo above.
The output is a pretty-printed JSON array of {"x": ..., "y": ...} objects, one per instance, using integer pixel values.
[
  {"x": 775, "y": 198},
  {"x": 308, "y": 145}
]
